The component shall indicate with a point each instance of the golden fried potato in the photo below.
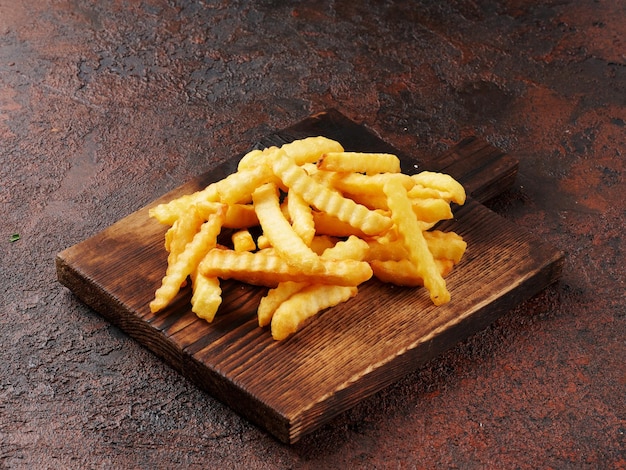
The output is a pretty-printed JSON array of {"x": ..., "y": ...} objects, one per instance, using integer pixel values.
[
  {"x": 187, "y": 261},
  {"x": 310, "y": 149},
  {"x": 167, "y": 213},
  {"x": 206, "y": 297},
  {"x": 243, "y": 240},
  {"x": 327, "y": 200},
  {"x": 415, "y": 243},
  {"x": 266, "y": 269},
  {"x": 238, "y": 187},
  {"x": 182, "y": 232},
  {"x": 447, "y": 187},
  {"x": 405, "y": 273},
  {"x": 431, "y": 210},
  {"x": 368, "y": 189},
  {"x": 274, "y": 298},
  {"x": 301, "y": 217},
  {"x": 353, "y": 248},
  {"x": 446, "y": 245},
  {"x": 280, "y": 233},
  {"x": 326, "y": 224},
  {"x": 312, "y": 222},
  {"x": 304, "y": 304},
  {"x": 357, "y": 162}
]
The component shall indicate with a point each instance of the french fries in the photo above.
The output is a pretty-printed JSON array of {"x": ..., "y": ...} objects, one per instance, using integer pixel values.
[{"x": 311, "y": 222}]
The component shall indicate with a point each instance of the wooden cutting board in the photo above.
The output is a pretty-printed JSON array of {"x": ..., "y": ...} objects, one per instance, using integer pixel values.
[{"x": 349, "y": 352}]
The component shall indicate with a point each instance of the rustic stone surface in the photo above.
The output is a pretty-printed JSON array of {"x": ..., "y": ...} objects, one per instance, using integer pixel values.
[{"x": 106, "y": 105}]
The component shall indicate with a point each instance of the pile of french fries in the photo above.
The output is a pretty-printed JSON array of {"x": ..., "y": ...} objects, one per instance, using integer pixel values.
[{"x": 311, "y": 222}]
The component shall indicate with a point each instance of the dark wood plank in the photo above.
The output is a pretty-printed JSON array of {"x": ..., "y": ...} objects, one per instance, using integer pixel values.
[{"x": 351, "y": 351}]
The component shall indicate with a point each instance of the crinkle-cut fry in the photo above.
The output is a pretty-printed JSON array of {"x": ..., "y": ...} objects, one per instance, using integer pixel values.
[
  {"x": 265, "y": 269},
  {"x": 409, "y": 231},
  {"x": 168, "y": 212},
  {"x": 404, "y": 273},
  {"x": 239, "y": 186},
  {"x": 310, "y": 149},
  {"x": 419, "y": 191},
  {"x": 353, "y": 248},
  {"x": 182, "y": 232},
  {"x": 360, "y": 162},
  {"x": 274, "y": 298},
  {"x": 238, "y": 216},
  {"x": 431, "y": 210},
  {"x": 206, "y": 297},
  {"x": 326, "y": 178},
  {"x": 393, "y": 250},
  {"x": 311, "y": 169},
  {"x": 448, "y": 245},
  {"x": 187, "y": 262},
  {"x": 323, "y": 242},
  {"x": 290, "y": 316},
  {"x": 243, "y": 240},
  {"x": 357, "y": 184},
  {"x": 442, "y": 245},
  {"x": 263, "y": 243},
  {"x": 373, "y": 201},
  {"x": 449, "y": 188},
  {"x": 327, "y": 200},
  {"x": 301, "y": 217},
  {"x": 280, "y": 232},
  {"x": 307, "y": 150},
  {"x": 253, "y": 158},
  {"x": 329, "y": 225}
]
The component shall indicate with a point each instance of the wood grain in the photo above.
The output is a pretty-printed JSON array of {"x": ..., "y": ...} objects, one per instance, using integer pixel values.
[{"x": 349, "y": 352}]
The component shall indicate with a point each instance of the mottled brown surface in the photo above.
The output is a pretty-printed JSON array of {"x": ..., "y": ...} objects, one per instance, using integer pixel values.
[{"x": 106, "y": 105}]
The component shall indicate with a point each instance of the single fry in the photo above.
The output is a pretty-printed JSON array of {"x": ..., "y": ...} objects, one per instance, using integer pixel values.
[
  {"x": 238, "y": 187},
  {"x": 404, "y": 272},
  {"x": 387, "y": 250},
  {"x": 206, "y": 297},
  {"x": 280, "y": 232},
  {"x": 238, "y": 216},
  {"x": 448, "y": 187},
  {"x": 304, "y": 304},
  {"x": 168, "y": 212},
  {"x": 357, "y": 162},
  {"x": 243, "y": 241},
  {"x": 442, "y": 245},
  {"x": 310, "y": 149},
  {"x": 445, "y": 245},
  {"x": 368, "y": 189},
  {"x": 301, "y": 217},
  {"x": 253, "y": 158},
  {"x": 409, "y": 231},
  {"x": 267, "y": 269},
  {"x": 326, "y": 224},
  {"x": 182, "y": 232},
  {"x": 431, "y": 210}
]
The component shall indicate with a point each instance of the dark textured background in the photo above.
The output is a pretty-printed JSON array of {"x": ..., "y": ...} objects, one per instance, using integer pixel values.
[{"x": 106, "y": 105}]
